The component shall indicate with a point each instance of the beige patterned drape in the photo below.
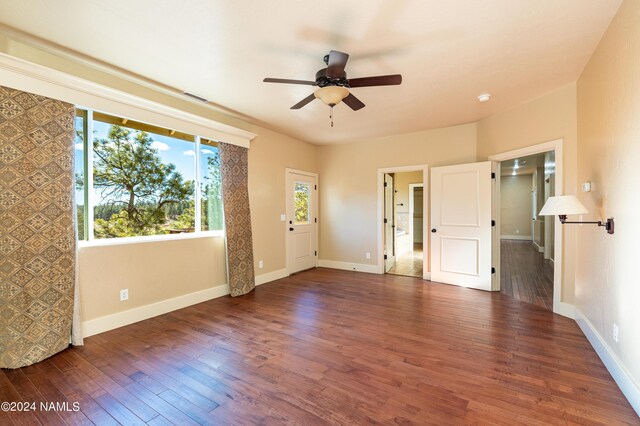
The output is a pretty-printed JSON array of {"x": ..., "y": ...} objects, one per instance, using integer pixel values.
[
  {"x": 37, "y": 233},
  {"x": 237, "y": 218}
]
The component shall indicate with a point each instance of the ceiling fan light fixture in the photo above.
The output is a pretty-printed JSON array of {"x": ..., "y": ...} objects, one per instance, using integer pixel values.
[{"x": 332, "y": 95}]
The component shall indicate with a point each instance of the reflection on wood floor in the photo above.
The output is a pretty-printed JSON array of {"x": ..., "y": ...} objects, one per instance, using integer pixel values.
[
  {"x": 409, "y": 264},
  {"x": 525, "y": 274}
]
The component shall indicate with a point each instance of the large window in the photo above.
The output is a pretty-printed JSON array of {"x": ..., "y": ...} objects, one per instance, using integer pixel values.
[{"x": 135, "y": 179}]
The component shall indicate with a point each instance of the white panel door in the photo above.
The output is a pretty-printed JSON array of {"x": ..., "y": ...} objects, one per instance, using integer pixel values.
[
  {"x": 389, "y": 228},
  {"x": 301, "y": 221},
  {"x": 461, "y": 225}
]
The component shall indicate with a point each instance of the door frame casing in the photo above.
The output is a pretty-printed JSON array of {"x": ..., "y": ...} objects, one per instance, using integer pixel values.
[
  {"x": 391, "y": 257},
  {"x": 559, "y": 307},
  {"x": 286, "y": 205},
  {"x": 426, "y": 274}
]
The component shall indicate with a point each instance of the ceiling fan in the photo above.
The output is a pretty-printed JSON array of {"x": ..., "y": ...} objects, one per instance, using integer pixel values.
[{"x": 334, "y": 85}]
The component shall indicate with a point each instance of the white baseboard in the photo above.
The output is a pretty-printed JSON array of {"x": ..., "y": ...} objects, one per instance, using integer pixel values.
[
  {"x": 426, "y": 276},
  {"x": 629, "y": 388},
  {"x": 271, "y": 276},
  {"x": 539, "y": 247},
  {"x": 565, "y": 309},
  {"x": 360, "y": 267},
  {"x": 120, "y": 319},
  {"x": 516, "y": 237}
]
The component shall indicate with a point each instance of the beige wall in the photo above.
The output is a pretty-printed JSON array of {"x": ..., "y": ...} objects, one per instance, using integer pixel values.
[
  {"x": 607, "y": 289},
  {"x": 348, "y": 190},
  {"x": 547, "y": 118},
  {"x": 152, "y": 271},
  {"x": 161, "y": 270},
  {"x": 270, "y": 154},
  {"x": 515, "y": 206},
  {"x": 401, "y": 183}
]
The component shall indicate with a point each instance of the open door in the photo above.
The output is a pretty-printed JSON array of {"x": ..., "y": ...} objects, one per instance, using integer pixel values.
[
  {"x": 461, "y": 225},
  {"x": 389, "y": 228}
]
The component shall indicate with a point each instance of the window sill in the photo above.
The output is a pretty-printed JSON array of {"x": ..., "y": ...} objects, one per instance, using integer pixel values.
[{"x": 149, "y": 239}]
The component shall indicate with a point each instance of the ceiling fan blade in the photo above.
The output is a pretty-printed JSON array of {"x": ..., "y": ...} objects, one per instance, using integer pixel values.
[
  {"x": 337, "y": 62},
  {"x": 381, "y": 80},
  {"x": 288, "y": 81},
  {"x": 304, "y": 101},
  {"x": 353, "y": 102}
]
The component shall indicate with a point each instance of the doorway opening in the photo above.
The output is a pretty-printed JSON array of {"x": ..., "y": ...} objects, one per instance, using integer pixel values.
[
  {"x": 553, "y": 231},
  {"x": 526, "y": 238},
  {"x": 408, "y": 225},
  {"x": 403, "y": 201}
]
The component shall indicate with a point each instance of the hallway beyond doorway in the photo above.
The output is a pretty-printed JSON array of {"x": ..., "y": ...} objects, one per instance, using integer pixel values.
[
  {"x": 525, "y": 274},
  {"x": 409, "y": 263}
]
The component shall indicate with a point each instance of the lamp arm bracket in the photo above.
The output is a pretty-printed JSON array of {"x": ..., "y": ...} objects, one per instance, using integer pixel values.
[{"x": 608, "y": 225}]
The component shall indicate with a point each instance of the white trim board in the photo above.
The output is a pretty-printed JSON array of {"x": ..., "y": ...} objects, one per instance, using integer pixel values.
[
  {"x": 271, "y": 276},
  {"x": 141, "y": 313},
  {"x": 629, "y": 388},
  {"x": 23, "y": 75},
  {"x": 346, "y": 266}
]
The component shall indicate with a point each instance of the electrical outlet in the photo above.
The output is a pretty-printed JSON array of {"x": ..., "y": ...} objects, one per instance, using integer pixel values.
[
  {"x": 283, "y": 218},
  {"x": 260, "y": 264},
  {"x": 367, "y": 255},
  {"x": 616, "y": 333},
  {"x": 124, "y": 294},
  {"x": 517, "y": 231}
]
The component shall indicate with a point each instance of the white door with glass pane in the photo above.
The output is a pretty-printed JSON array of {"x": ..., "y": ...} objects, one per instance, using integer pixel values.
[
  {"x": 302, "y": 220},
  {"x": 461, "y": 225}
]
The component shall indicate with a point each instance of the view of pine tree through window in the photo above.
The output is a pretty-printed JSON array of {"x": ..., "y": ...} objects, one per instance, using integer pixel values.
[
  {"x": 211, "y": 186},
  {"x": 81, "y": 120},
  {"x": 301, "y": 205},
  {"x": 144, "y": 179}
]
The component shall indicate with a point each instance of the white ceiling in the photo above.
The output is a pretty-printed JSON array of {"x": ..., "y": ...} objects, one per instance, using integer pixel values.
[{"x": 447, "y": 51}]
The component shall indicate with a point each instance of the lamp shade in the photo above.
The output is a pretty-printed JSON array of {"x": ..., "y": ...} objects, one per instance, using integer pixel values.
[
  {"x": 563, "y": 205},
  {"x": 331, "y": 95}
]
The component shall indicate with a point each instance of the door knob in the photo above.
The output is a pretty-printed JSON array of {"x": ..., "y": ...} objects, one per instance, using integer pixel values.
[
  {"x": 290, "y": 229},
  {"x": 433, "y": 230}
]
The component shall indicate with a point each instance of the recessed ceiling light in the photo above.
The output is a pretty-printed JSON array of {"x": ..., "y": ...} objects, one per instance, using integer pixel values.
[{"x": 484, "y": 97}]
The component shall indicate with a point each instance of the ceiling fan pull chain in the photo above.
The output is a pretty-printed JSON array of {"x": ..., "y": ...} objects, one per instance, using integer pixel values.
[{"x": 331, "y": 115}]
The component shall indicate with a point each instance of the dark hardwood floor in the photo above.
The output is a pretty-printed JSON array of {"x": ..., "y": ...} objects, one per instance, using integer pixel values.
[
  {"x": 525, "y": 274},
  {"x": 331, "y": 347}
]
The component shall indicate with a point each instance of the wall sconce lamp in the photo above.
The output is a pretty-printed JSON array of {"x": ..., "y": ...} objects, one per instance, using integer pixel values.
[{"x": 564, "y": 205}]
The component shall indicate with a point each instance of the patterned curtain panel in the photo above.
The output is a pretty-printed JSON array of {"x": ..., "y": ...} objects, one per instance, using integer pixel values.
[
  {"x": 37, "y": 233},
  {"x": 237, "y": 218}
]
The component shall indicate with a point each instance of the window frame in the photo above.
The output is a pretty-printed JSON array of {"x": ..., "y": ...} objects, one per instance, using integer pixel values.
[{"x": 89, "y": 194}]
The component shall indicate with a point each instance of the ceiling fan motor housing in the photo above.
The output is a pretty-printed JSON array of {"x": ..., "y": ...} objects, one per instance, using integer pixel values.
[{"x": 322, "y": 80}]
